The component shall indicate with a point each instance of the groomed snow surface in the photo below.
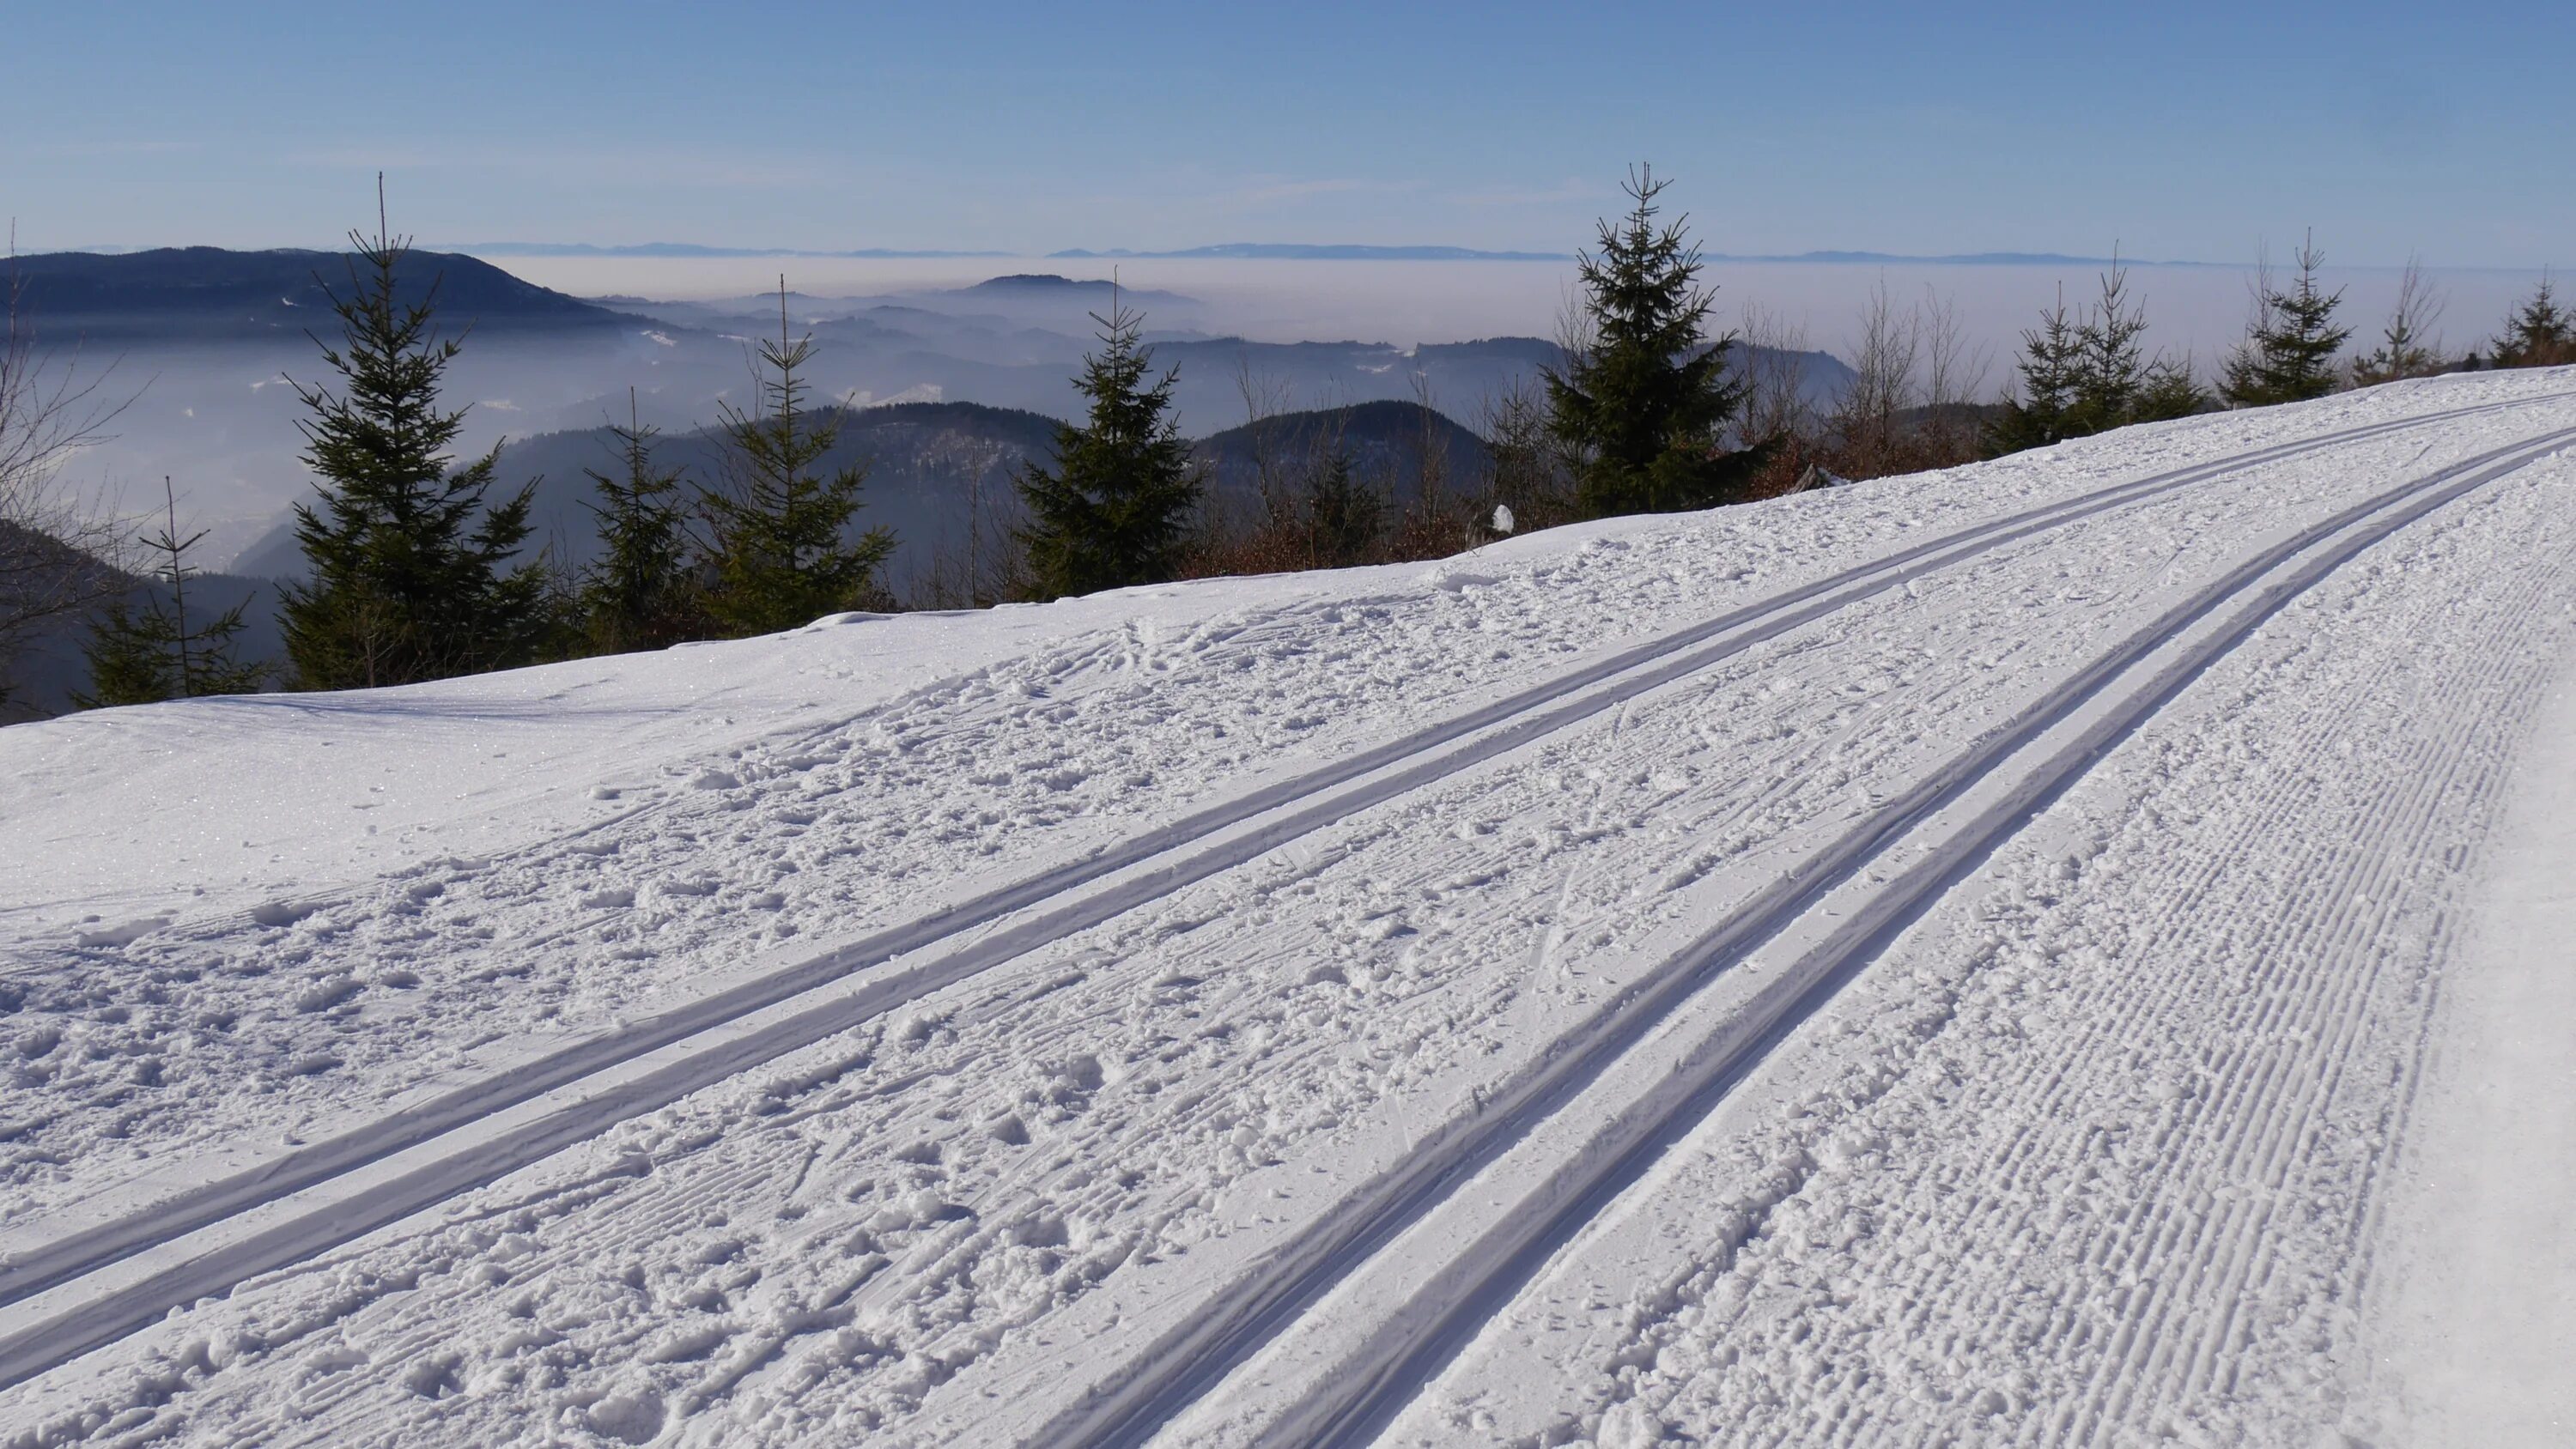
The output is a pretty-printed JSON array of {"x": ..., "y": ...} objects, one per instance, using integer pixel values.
[{"x": 2072, "y": 950}]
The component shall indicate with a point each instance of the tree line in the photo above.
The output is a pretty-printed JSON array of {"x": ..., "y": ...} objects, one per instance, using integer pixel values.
[{"x": 418, "y": 565}]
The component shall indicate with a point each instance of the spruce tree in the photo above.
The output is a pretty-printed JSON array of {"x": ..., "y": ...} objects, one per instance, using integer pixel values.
[
  {"x": 639, "y": 593},
  {"x": 2168, "y": 391},
  {"x": 2289, "y": 350},
  {"x": 2401, "y": 353},
  {"x": 155, "y": 655},
  {"x": 1114, "y": 510},
  {"x": 2042, "y": 413},
  {"x": 1343, "y": 515},
  {"x": 1645, "y": 404},
  {"x": 782, "y": 554},
  {"x": 2539, "y": 333},
  {"x": 2110, "y": 368},
  {"x": 410, "y": 576},
  {"x": 2090, "y": 375}
]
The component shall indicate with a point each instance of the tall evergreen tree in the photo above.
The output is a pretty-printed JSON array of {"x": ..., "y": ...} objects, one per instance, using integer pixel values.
[
  {"x": 410, "y": 565},
  {"x": 157, "y": 654},
  {"x": 1114, "y": 511},
  {"x": 1645, "y": 404},
  {"x": 2043, "y": 411},
  {"x": 2539, "y": 333},
  {"x": 783, "y": 556},
  {"x": 2289, "y": 350},
  {"x": 640, "y": 593}
]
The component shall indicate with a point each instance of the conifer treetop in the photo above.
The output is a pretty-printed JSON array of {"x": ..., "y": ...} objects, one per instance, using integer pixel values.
[
  {"x": 1114, "y": 510},
  {"x": 2289, "y": 347},
  {"x": 1645, "y": 399},
  {"x": 410, "y": 560},
  {"x": 782, "y": 555},
  {"x": 2538, "y": 332}
]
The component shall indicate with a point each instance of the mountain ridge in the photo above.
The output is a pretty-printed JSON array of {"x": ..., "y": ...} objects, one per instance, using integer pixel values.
[{"x": 172, "y": 292}]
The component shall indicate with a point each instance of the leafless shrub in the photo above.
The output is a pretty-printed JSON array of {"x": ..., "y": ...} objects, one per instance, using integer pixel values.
[
  {"x": 1770, "y": 357},
  {"x": 986, "y": 565}
]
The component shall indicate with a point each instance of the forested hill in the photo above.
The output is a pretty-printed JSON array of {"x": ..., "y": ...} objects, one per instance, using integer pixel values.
[{"x": 211, "y": 294}]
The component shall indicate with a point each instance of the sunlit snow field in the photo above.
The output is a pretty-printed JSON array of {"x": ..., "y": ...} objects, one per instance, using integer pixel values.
[{"x": 2110, "y": 1136}]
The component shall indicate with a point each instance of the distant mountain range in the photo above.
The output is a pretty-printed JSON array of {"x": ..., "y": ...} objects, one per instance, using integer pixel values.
[
  {"x": 1964, "y": 259},
  {"x": 177, "y": 294},
  {"x": 1255, "y": 251},
  {"x": 1292, "y": 252},
  {"x": 1314, "y": 252},
  {"x": 678, "y": 249}
]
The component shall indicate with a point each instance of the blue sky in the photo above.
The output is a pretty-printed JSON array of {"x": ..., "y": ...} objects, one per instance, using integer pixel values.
[{"x": 2179, "y": 130}]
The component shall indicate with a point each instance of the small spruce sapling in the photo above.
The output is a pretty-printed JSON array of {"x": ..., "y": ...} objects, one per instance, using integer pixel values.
[
  {"x": 2539, "y": 333},
  {"x": 2289, "y": 348},
  {"x": 2403, "y": 351},
  {"x": 1344, "y": 515},
  {"x": 157, "y": 654},
  {"x": 2043, "y": 410}
]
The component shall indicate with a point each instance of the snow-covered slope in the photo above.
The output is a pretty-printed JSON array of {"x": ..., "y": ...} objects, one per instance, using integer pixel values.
[{"x": 1945, "y": 959}]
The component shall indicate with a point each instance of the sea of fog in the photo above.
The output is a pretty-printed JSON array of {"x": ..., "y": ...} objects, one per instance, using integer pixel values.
[
  {"x": 2195, "y": 309},
  {"x": 221, "y": 425}
]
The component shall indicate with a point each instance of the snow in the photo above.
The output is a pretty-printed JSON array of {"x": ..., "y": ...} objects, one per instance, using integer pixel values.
[
  {"x": 1951, "y": 956},
  {"x": 2471, "y": 1346}
]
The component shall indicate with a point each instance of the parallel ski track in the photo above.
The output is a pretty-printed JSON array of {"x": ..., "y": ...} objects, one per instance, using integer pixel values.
[
  {"x": 1411, "y": 1345},
  {"x": 97, "y": 1284}
]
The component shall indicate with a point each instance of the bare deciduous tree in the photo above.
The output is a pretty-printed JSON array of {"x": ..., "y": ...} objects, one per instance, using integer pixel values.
[
  {"x": 1524, "y": 470},
  {"x": 1867, "y": 420},
  {"x": 1954, "y": 381},
  {"x": 1265, "y": 397},
  {"x": 58, "y": 552},
  {"x": 1771, "y": 355},
  {"x": 2403, "y": 350}
]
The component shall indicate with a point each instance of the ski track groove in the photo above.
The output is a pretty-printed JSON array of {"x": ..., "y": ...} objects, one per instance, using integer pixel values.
[
  {"x": 1366, "y": 1406},
  {"x": 2350, "y": 988},
  {"x": 1762, "y": 617},
  {"x": 2014, "y": 1173},
  {"x": 2261, "y": 1159},
  {"x": 2108, "y": 1014}
]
